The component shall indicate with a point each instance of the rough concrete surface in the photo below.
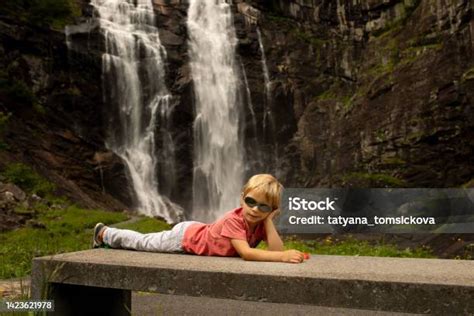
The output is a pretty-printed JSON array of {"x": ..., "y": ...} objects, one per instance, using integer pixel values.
[{"x": 384, "y": 284}]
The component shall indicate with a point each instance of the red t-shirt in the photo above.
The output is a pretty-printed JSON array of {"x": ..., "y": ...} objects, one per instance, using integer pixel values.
[{"x": 214, "y": 239}]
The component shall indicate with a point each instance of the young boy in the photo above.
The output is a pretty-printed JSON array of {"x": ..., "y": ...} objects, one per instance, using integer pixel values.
[{"x": 238, "y": 232}]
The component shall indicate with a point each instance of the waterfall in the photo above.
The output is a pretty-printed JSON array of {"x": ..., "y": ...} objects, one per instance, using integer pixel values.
[
  {"x": 249, "y": 100},
  {"x": 255, "y": 161},
  {"x": 267, "y": 111},
  {"x": 218, "y": 149},
  {"x": 133, "y": 81}
]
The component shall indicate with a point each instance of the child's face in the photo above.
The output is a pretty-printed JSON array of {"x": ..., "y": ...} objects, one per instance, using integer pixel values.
[{"x": 252, "y": 214}]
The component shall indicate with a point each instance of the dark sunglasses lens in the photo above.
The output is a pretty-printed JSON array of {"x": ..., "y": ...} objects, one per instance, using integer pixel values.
[
  {"x": 250, "y": 202},
  {"x": 262, "y": 207}
]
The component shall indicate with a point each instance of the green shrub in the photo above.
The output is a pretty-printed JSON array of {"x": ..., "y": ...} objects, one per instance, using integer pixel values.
[{"x": 27, "y": 179}]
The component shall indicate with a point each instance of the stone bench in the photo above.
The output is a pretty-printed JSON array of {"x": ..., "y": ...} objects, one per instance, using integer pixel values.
[{"x": 101, "y": 280}]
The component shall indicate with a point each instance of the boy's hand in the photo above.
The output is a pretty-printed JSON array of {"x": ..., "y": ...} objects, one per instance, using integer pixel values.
[
  {"x": 272, "y": 215},
  {"x": 293, "y": 256}
]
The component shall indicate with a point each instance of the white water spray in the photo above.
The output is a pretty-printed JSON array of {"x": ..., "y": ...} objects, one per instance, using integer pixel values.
[
  {"x": 133, "y": 74},
  {"x": 249, "y": 100},
  {"x": 218, "y": 150},
  {"x": 267, "y": 111}
]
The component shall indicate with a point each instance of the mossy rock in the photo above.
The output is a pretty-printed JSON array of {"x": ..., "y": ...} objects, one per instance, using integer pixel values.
[{"x": 371, "y": 180}]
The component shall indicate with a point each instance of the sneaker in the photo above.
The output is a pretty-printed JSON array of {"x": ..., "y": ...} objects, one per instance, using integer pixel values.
[{"x": 96, "y": 242}]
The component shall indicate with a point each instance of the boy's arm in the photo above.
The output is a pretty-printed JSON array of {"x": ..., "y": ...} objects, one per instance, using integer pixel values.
[
  {"x": 252, "y": 254},
  {"x": 273, "y": 238}
]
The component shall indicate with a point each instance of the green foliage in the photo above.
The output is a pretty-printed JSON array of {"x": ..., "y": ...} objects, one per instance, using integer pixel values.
[
  {"x": 337, "y": 93},
  {"x": 347, "y": 102},
  {"x": 327, "y": 95},
  {"x": 43, "y": 13},
  {"x": 389, "y": 58},
  {"x": 27, "y": 179}
]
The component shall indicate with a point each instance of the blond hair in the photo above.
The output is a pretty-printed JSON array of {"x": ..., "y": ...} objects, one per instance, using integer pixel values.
[{"x": 268, "y": 185}]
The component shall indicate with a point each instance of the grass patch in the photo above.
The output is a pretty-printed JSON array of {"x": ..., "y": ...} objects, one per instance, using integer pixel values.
[
  {"x": 66, "y": 230},
  {"x": 354, "y": 247}
]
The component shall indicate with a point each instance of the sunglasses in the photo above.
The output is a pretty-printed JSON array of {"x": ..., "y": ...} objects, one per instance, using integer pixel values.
[{"x": 262, "y": 207}]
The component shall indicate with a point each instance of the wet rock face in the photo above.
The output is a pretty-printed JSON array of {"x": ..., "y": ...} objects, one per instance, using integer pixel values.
[
  {"x": 382, "y": 91},
  {"x": 363, "y": 93},
  {"x": 54, "y": 98}
]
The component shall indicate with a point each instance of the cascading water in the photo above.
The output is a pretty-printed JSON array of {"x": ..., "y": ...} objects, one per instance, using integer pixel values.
[
  {"x": 255, "y": 158},
  {"x": 218, "y": 159},
  {"x": 249, "y": 100},
  {"x": 270, "y": 153},
  {"x": 268, "y": 121},
  {"x": 133, "y": 76}
]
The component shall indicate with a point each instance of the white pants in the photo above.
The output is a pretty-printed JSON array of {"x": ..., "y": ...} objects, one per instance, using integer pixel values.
[{"x": 165, "y": 241}]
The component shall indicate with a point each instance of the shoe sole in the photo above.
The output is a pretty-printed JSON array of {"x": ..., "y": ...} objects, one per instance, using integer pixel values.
[{"x": 98, "y": 227}]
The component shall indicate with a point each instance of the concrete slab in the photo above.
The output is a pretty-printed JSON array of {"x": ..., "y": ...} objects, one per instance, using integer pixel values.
[
  {"x": 434, "y": 271},
  {"x": 390, "y": 284}
]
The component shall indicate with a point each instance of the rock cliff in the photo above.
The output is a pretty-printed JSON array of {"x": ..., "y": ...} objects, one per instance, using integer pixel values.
[
  {"x": 372, "y": 93},
  {"x": 381, "y": 91}
]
